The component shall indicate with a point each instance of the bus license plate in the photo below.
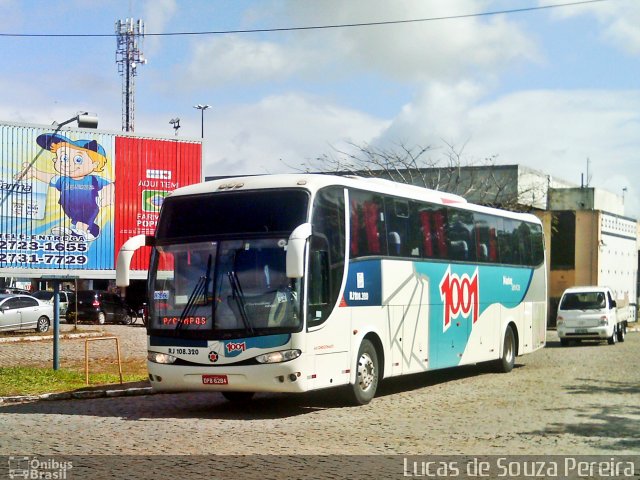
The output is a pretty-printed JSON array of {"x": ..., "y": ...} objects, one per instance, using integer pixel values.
[
  {"x": 581, "y": 330},
  {"x": 215, "y": 380}
]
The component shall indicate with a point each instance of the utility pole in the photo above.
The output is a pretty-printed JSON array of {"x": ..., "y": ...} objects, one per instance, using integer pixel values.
[{"x": 129, "y": 57}]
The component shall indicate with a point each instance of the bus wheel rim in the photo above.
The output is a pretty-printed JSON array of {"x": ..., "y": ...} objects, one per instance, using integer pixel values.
[{"x": 366, "y": 372}]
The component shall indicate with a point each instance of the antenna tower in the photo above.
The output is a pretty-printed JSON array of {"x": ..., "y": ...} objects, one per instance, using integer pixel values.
[{"x": 128, "y": 57}]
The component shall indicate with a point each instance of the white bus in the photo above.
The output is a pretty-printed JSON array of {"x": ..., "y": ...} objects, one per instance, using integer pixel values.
[{"x": 298, "y": 282}]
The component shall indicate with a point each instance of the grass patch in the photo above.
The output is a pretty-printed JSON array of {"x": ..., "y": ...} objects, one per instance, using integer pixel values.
[{"x": 37, "y": 380}]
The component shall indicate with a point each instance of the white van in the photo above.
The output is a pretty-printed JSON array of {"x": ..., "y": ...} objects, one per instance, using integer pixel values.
[{"x": 590, "y": 313}]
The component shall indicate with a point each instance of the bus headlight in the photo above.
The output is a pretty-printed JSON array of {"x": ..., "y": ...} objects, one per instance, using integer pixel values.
[
  {"x": 278, "y": 357},
  {"x": 156, "y": 357}
]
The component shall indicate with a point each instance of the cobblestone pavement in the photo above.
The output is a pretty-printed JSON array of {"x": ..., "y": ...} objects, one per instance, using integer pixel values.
[
  {"x": 577, "y": 400},
  {"x": 131, "y": 338}
]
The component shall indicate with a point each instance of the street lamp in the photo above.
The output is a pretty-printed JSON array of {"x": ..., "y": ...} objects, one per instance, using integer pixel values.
[
  {"x": 176, "y": 124},
  {"x": 202, "y": 108},
  {"x": 84, "y": 120}
]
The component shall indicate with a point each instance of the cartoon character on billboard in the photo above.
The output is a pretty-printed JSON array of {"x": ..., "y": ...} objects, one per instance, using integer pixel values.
[{"x": 82, "y": 193}]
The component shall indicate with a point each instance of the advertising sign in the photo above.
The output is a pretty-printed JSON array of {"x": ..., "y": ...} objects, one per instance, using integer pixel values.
[
  {"x": 70, "y": 198},
  {"x": 57, "y": 194},
  {"x": 150, "y": 170}
]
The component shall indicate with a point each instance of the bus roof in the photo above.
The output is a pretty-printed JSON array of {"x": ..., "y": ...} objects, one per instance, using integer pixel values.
[{"x": 314, "y": 182}]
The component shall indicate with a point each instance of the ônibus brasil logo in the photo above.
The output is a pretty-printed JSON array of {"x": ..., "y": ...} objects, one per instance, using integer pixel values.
[{"x": 459, "y": 296}]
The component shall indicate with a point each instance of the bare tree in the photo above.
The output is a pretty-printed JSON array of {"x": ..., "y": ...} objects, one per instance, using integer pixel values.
[{"x": 445, "y": 168}]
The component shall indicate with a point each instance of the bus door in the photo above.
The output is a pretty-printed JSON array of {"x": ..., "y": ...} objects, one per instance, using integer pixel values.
[{"x": 328, "y": 321}]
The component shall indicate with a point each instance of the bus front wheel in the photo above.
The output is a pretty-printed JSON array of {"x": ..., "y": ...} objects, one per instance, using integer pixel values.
[
  {"x": 367, "y": 374},
  {"x": 507, "y": 361}
]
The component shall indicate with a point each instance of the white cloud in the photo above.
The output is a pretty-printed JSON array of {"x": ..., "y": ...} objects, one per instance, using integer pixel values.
[
  {"x": 280, "y": 133},
  {"x": 234, "y": 58},
  {"x": 558, "y": 131},
  {"x": 552, "y": 131},
  {"x": 619, "y": 21},
  {"x": 157, "y": 14},
  {"x": 438, "y": 112},
  {"x": 440, "y": 50},
  {"x": 407, "y": 52}
]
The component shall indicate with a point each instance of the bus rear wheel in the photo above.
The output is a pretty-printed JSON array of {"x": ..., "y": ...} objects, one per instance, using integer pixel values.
[
  {"x": 367, "y": 374},
  {"x": 507, "y": 361}
]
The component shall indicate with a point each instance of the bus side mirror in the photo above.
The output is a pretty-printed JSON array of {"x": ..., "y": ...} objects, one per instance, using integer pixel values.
[
  {"x": 295, "y": 250},
  {"x": 123, "y": 263}
]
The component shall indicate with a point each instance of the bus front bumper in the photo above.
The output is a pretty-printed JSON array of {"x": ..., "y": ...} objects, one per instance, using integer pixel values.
[{"x": 280, "y": 377}]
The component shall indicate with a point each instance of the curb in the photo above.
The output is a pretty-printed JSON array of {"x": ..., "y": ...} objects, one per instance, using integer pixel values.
[
  {"x": 38, "y": 338},
  {"x": 91, "y": 394}
]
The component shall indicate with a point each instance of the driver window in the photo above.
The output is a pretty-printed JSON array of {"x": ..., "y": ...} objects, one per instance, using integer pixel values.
[{"x": 327, "y": 252}]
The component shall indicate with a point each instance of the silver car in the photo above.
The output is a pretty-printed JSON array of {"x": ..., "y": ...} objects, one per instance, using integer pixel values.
[{"x": 24, "y": 312}]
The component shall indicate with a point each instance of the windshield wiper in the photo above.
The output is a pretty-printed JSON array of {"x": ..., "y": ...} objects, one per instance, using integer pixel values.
[
  {"x": 238, "y": 296},
  {"x": 199, "y": 289}
]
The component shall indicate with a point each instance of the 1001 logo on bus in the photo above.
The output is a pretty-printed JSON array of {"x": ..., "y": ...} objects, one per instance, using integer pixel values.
[{"x": 460, "y": 296}]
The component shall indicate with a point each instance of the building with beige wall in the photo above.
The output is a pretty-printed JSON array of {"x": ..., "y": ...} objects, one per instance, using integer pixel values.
[{"x": 590, "y": 242}]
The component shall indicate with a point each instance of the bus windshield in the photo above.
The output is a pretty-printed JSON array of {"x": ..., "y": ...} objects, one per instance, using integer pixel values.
[{"x": 226, "y": 288}]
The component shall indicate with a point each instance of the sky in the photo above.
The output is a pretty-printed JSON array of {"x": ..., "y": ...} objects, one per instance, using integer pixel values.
[{"x": 555, "y": 89}]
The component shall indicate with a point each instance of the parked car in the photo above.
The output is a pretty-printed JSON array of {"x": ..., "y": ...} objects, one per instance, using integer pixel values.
[
  {"x": 590, "y": 313},
  {"x": 47, "y": 297},
  {"x": 100, "y": 307},
  {"x": 15, "y": 290},
  {"x": 24, "y": 312}
]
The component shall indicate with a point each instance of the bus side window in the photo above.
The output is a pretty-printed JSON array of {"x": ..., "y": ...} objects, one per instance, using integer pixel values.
[
  {"x": 459, "y": 234},
  {"x": 427, "y": 238},
  {"x": 439, "y": 221},
  {"x": 524, "y": 243},
  {"x": 355, "y": 230},
  {"x": 397, "y": 222},
  {"x": 327, "y": 252},
  {"x": 431, "y": 220},
  {"x": 318, "y": 282},
  {"x": 371, "y": 215},
  {"x": 537, "y": 242},
  {"x": 368, "y": 230},
  {"x": 505, "y": 246},
  {"x": 493, "y": 246},
  {"x": 485, "y": 237}
]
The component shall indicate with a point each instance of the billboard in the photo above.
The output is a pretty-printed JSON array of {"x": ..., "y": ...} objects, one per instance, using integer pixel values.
[
  {"x": 70, "y": 198},
  {"x": 150, "y": 170}
]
